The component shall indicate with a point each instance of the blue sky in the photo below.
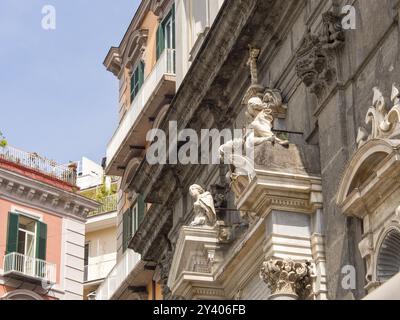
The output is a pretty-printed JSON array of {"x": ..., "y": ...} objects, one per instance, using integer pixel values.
[{"x": 56, "y": 97}]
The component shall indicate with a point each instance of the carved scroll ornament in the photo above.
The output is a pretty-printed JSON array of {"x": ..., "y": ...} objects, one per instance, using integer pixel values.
[{"x": 384, "y": 123}]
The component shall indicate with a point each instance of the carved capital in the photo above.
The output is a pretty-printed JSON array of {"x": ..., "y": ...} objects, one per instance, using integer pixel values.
[{"x": 286, "y": 277}]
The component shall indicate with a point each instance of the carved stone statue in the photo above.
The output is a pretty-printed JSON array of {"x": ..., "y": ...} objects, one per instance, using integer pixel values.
[
  {"x": 252, "y": 63},
  {"x": 262, "y": 122},
  {"x": 203, "y": 207},
  {"x": 262, "y": 106}
]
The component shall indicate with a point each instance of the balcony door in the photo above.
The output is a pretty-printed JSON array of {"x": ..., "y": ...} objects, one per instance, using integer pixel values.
[
  {"x": 27, "y": 244},
  {"x": 166, "y": 33}
]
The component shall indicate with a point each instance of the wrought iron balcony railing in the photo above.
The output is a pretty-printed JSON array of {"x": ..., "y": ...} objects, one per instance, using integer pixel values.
[
  {"x": 66, "y": 173},
  {"x": 28, "y": 267},
  {"x": 108, "y": 204}
]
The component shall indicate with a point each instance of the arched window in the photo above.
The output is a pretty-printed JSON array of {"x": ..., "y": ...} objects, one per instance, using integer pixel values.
[{"x": 388, "y": 262}]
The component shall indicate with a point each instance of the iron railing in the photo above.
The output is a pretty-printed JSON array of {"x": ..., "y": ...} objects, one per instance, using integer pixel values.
[
  {"x": 66, "y": 173},
  {"x": 108, "y": 204},
  {"x": 16, "y": 263},
  {"x": 118, "y": 275},
  {"x": 99, "y": 270}
]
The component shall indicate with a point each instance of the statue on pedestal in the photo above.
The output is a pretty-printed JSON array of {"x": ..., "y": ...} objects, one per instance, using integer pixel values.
[{"x": 203, "y": 207}]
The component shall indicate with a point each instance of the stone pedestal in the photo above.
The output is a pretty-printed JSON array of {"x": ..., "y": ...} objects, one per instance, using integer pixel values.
[
  {"x": 285, "y": 192},
  {"x": 195, "y": 261}
]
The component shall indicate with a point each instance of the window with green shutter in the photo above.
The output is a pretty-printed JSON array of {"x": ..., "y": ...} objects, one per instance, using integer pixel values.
[
  {"x": 166, "y": 33},
  {"x": 137, "y": 80},
  {"x": 131, "y": 221},
  {"x": 26, "y": 236}
]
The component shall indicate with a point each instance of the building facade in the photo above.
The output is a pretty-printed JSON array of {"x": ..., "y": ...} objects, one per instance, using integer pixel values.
[
  {"x": 42, "y": 223},
  {"x": 313, "y": 85},
  {"x": 101, "y": 224}
]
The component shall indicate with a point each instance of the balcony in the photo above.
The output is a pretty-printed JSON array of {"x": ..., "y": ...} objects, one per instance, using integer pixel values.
[
  {"x": 132, "y": 130},
  {"x": 98, "y": 271},
  {"x": 36, "y": 163},
  {"x": 29, "y": 269},
  {"x": 108, "y": 204},
  {"x": 118, "y": 275}
]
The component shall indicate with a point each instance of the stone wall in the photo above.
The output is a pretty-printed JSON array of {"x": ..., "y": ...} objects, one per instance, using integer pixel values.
[{"x": 326, "y": 109}]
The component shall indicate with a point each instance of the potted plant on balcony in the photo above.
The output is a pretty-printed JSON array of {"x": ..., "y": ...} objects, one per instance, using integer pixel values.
[{"x": 3, "y": 141}]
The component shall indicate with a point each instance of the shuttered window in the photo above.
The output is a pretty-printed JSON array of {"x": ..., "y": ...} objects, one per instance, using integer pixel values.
[
  {"x": 137, "y": 80},
  {"x": 131, "y": 221},
  {"x": 26, "y": 236},
  {"x": 126, "y": 228},
  {"x": 166, "y": 33}
]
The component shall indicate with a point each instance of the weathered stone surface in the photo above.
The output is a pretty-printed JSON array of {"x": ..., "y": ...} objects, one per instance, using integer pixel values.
[{"x": 300, "y": 159}]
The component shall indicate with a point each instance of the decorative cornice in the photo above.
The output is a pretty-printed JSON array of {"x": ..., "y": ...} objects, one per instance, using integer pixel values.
[{"x": 36, "y": 194}]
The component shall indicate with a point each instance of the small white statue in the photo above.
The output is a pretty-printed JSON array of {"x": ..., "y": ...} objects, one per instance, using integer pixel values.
[
  {"x": 203, "y": 207},
  {"x": 262, "y": 123}
]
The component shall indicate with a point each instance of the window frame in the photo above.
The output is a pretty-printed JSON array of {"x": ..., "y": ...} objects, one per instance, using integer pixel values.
[{"x": 136, "y": 79}]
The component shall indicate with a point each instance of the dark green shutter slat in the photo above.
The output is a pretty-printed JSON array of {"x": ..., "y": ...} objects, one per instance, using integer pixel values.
[
  {"x": 141, "y": 208},
  {"x": 41, "y": 240},
  {"x": 126, "y": 228},
  {"x": 12, "y": 233},
  {"x": 141, "y": 74},
  {"x": 160, "y": 40}
]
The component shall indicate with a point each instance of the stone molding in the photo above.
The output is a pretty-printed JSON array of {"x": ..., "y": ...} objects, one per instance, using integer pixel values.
[
  {"x": 196, "y": 258},
  {"x": 45, "y": 197}
]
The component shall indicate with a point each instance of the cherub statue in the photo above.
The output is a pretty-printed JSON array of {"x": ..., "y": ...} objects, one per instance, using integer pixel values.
[
  {"x": 203, "y": 207},
  {"x": 262, "y": 123}
]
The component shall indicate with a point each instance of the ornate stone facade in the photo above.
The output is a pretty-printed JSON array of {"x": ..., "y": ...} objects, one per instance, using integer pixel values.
[
  {"x": 306, "y": 156},
  {"x": 316, "y": 55}
]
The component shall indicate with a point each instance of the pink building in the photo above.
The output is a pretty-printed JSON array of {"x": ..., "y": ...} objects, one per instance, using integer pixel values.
[{"x": 42, "y": 228}]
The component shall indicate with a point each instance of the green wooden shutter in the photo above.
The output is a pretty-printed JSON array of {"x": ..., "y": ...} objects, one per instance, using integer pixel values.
[
  {"x": 12, "y": 233},
  {"x": 141, "y": 208},
  {"x": 126, "y": 228},
  {"x": 41, "y": 240},
  {"x": 141, "y": 73},
  {"x": 160, "y": 40}
]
